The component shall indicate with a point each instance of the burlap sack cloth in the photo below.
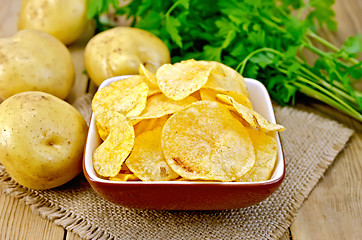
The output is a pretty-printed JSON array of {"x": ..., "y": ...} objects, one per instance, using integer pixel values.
[{"x": 310, "y": 145}]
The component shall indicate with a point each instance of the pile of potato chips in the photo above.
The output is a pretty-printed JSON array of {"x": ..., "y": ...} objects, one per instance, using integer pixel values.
[{"x": 192, "y": 120}]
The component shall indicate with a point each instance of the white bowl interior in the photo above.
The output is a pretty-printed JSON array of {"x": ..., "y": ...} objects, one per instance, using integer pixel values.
[{"x": 260, "y": 100}]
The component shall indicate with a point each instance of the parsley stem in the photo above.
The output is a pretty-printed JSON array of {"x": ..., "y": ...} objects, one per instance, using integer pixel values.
[
  {"x": 316, "y": 50},
  {"x": 242, "y": 64},
  {"x": 326, "y": 93},
  {"x": 320, "y": 80},
  {"x": 321, "y": 40},
  {"x": 335, "y": 83},
  {"x": 273, "y": 24},
  {"x": 312, "y": 89},
  {"x": 323, "y": 54},
  {"x": 313, "y": 84},
  {"x": 328, "y": 100},
  {"x": 336, "y": 86},
  {"x": 311, "y": 34},
  {"x": 172, "y": 8},
  {"x": 325, "y": 88},
  {"x": 327, "y": 85}
]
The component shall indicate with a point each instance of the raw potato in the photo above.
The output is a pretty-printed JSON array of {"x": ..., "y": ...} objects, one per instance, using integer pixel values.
[
  {"x": 121, "y": 50},
  {"x": 64, "y": 19},
  {"x": 32, "y": 60},
  {"x": 41, "y": 139}
]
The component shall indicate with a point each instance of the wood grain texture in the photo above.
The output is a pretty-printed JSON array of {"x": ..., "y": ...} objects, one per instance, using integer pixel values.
[
  {"x": 17, "y": 221},
  {"x": 332, "y": 211},
  {"x": 334, "y": 208}
]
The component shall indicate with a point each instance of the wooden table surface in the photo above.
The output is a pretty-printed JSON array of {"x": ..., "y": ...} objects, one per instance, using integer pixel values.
[{"x": 332, "y": 211}]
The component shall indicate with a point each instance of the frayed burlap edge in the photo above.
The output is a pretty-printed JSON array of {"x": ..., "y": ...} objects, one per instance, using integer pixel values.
[
  {"x": 50, "y": 211},
  {"x": 329, "y": 155}
]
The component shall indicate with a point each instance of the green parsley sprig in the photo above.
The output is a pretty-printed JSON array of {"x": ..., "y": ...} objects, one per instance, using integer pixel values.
[{"x": 265, "y": 40}]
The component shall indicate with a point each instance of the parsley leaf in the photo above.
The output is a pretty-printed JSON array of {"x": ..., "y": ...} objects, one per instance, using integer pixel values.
[{"x": 262, "y": 39}]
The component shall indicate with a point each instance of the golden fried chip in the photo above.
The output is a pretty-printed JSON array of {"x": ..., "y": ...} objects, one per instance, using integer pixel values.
[
  {"x": 253, "y": 118},
  {"x": 151, "y": 77},
  {"x": 223, "y": 77},
  {"x": 127, "y": 97},
  {"x": 265, "y": 148},
  {"x": 153, "y": 90},
  {"x": 182, "y": 79},
  {"x": 149, "y": 124},
  {"x": 110, "y": 155},
  {"x": 159, "y": 105},
  {"x": 147, "y": 161},
  {"x": 124, "y": 175},
  {"x": 103, "y": 133},
  {"x": 204, "y": 141},
  {"x": 196, "y": 95},
  {"x": 210, "y": 94}
]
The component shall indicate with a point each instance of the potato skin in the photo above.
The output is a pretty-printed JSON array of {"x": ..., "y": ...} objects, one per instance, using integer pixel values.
[
  {"x": 120, "y": 51},
  {"x": 41, "y": 139},
  {"x": 32, "y": 60},
  {"x": 64, "y": 19}
]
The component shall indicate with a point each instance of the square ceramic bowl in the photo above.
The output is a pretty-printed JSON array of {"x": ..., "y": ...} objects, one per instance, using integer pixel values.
[{"x": 183, "y": 195}]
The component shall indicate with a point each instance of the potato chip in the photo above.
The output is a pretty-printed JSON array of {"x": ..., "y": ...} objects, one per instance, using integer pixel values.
[
  {"x": 204, "y": 141},
  {"x": 110, "y": 155},
  {"x": 248, "y": 116},
  {"x": 150, "y": 76},
  {"x": 147, "y": 161},
  {"x": 223, "y": 77},
  {"x": 159, "y": 105},
  {"x": 196, "y": 95},
  {"x": 149, "y": 124},
  {"x": 103, "y": 133},
  {"x": 150, "y": 79},
  {"x": 124, "y": 175},
  {"x": 210, "y": 94},
  {"x": 253, "y": 118},
  {"x": 182, "y": 79},
  {"x": 192, "y": 121},
  {"x": 152, "y": 90},
  {"x": 127, "y": 97},
  {"x": 265, "y": 148}
]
